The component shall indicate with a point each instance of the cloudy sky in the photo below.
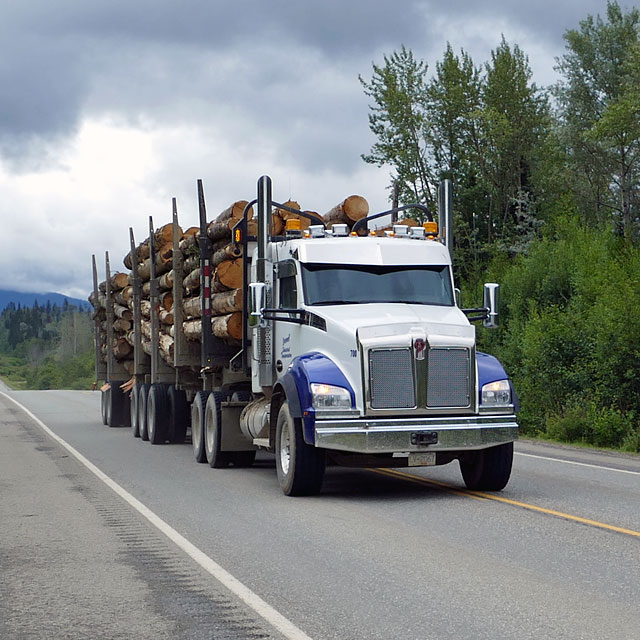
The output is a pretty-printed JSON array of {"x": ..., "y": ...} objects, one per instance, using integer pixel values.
[{"x": 109, "y": 109}]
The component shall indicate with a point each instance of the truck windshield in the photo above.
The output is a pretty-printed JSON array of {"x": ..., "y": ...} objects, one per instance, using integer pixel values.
[{"x": 361, "y": 284}]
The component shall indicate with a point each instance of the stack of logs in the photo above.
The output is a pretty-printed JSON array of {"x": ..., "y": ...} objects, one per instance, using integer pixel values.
[{"x": 226, "y": 280}]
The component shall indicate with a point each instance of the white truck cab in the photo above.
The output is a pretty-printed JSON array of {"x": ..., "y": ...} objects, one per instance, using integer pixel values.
[{"x": 363, "y": 355}]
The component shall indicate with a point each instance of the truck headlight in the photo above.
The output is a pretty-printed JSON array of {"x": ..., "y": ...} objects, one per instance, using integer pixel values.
[
  {"x": 326, "y": 396},
  {"x": 496, "y": 394}
]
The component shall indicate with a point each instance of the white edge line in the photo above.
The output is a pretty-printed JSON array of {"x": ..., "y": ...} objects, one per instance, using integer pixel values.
[
  {"x": 255, "y": 602},
  {"x": 579, "y": 464}
]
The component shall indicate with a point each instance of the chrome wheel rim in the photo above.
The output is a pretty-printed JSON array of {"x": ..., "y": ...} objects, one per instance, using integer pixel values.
[
  {"x": 285, "y": 450},
  {"x": 208, "y": 431},
  {"x": 195, "y": 433}
]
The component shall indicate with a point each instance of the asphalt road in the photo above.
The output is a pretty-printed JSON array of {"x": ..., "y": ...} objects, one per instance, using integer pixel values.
[{"x": 376, "y": 555}]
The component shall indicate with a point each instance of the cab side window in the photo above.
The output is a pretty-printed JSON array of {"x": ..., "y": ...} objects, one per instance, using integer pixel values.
[
  {"x": 288, "y": 289},
  {"x": 288, "y": 293}
]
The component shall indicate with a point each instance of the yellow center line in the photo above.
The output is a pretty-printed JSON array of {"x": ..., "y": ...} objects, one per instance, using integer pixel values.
[
  {"x": 418, "y": 480},
  {"x": 480, "y": 495}
]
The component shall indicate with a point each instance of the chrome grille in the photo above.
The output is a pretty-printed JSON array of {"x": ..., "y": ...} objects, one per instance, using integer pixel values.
[
  {"x": 391, "y": 384},
  {"x": 449, "y": 378}
]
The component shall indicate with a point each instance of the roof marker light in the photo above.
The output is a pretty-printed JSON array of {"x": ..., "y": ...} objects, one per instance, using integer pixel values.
[
  {"x": 431, "y": 228},
  {"x": 340, "y": 229}
]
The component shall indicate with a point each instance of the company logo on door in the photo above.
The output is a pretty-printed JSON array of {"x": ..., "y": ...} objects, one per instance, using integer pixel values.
[{"x": 286, "y": 347}]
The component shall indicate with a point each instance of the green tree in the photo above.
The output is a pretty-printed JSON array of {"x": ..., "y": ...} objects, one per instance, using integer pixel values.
[
  {"x": 599, "y": 110},
  {"x": 511, "y": 126},
  {"x": 454, "y": 102},
  {"x": 397, "y": 118}
]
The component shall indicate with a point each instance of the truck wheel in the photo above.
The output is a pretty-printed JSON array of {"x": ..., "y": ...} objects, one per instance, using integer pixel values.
[
  {"x": 143, "y": 395},
  {"x": 179, "y": 416},
  {"x": 133, "y": 411},
  {"x": 197, "y": 425},
  {"x": 216, "y": 458},
  {"x": 300, "y": 466},
  {"x": 157, "y": 418},
  {"x": 488, "y": 469},
  {"x": 104, "y": 406},
  {"x": 242, "y": 459}
]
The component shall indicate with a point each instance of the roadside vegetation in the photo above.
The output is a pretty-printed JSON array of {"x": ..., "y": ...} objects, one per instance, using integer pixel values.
[
  {"x": 46, "y": 347},
  {"x": 546, "y": 201}
]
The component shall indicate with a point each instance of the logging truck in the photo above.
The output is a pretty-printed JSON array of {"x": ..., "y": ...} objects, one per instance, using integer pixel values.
[{"x": 307, "y": 336}]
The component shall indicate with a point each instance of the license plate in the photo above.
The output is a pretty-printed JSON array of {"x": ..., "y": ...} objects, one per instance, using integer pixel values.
[{"x": 422, "y": 458}]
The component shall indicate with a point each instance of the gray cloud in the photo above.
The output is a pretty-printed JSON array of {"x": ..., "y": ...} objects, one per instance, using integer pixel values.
[{"x": 224, "y": 90}]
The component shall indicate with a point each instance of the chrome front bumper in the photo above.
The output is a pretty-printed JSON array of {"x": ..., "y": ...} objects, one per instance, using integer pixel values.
[{"x": 391, "y": 435}]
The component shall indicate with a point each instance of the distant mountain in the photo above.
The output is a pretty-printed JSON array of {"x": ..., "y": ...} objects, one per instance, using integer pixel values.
[{"x": 27, "y": 299}]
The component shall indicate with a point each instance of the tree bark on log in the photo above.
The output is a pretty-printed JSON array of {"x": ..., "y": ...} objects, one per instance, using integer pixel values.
[
  {"x": 229, "y": 326},
  {"x": 192, "y": 281},
  {"x": 226, "y": 302},
  {"x": 218, "y": 230},
  {"x": 222, "y": 303},
  {"x": 142, "y": 253},
  {"x": 225, "y": 327},
  {"x": 165, "y": 281},
  {"x": 163, "y": 261},
  {"x": 118, "y": 281},
  {"x": 146, "y": 346},
  {"x": 122, "y": 325},
  {"x": 192, "y": 307},
  {"x": 235, "y": 212},
  {"x": 192, "y": 329},
  {"x": 190, "y": 263},
  {"x": 166, "y": 347},
  {"x": 189, "y": 241},
  {"x": 349, "y": 211},
  {"x": 122, "y": 312},
  {"x": 121, "y": 349},
  {"x": 166, "y": 317},
  {"x": 228, "y": 252},
  {"x": 119, "y": 298},
  {"x": 98, "y": 303},
  {"x": 277, "y": 226}
]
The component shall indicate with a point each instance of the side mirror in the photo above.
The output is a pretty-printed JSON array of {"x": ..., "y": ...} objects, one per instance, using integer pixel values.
[
  {"x": 491, "y": 290},
  {"x": 458, "y": 294},
  {"x": 256, "y": 303}
]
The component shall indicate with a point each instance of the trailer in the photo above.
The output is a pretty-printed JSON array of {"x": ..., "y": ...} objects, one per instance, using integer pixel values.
[{"x": 341, "y": 345}]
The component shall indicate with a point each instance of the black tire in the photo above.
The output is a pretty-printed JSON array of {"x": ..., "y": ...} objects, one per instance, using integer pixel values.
[
  {"x": 216, "y": 458},
  {"x": 179, "y": 415},
  {"x": 104, "y": 406},
  {"x": 488, "y": 469},
  {"x": 117, "y": 406},
  {"x": 157, "y": 414},
  {"x": 300, "y": 466},
  {"x": 197, "y": 425},
  {"x": 133, "y": 410},
  {"x": 242, "y": 459},
  {"x": 143, "y": 396}
]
